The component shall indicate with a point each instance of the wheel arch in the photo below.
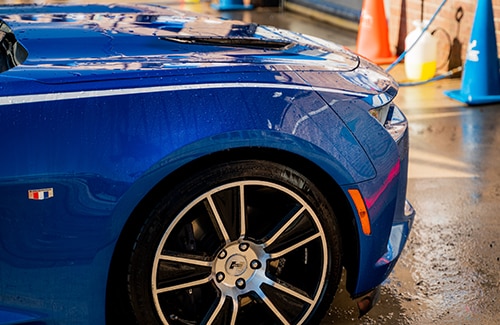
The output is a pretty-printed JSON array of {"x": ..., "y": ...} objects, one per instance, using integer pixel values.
[{"x": 329, "y": 186}]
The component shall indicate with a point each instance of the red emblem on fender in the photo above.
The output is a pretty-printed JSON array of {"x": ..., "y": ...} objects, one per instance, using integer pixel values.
[{"x": 41, "y": 194}]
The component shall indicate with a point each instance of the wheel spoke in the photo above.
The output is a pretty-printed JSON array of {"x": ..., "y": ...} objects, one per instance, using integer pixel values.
[
  {"x": 243, "y": 220},
  {"x": 291, "y": 292},
  {"x": 183, "y": 285},
  {"x": 272, "y": 307},
  {"x": 217, "y": 310},
  {"x": 225, "y": 312},
  {"x": 198, "y": 272},
  {"x": 185, "y": 260},
  {"x": 295, "y": 246},
  {"x": 281, "y": 230},
  {"x": 234, "y": 314},
  {"x": 218, "y": 219}
]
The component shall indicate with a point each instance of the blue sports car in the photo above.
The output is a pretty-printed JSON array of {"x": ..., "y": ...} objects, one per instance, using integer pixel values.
[{"x": 173, "y": 168}]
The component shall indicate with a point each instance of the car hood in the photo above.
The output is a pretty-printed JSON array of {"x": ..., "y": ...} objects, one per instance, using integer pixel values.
[
  {"x": 100, "y": 37},
  {"x": 75, "y": 44}
]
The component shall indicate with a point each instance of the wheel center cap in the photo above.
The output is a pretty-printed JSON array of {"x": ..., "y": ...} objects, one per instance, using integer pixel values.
[{"x": 236, "y": 265}]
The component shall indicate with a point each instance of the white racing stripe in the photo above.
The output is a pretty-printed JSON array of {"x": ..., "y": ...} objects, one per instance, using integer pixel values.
[{"x": 37, "y": 98}]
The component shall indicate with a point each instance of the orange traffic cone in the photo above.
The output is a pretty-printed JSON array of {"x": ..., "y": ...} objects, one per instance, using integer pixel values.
[{"x": 373, "y": 33}]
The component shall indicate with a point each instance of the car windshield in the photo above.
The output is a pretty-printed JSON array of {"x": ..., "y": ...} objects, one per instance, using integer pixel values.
[{"x": 12, "y": 53}]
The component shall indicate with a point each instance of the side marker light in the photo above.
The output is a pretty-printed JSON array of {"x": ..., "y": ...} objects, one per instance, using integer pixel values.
[{"x": 362, "y": 211}]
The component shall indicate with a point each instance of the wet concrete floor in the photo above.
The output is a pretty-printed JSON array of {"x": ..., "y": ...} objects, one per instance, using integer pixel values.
[{"x": 449, "y": 272}]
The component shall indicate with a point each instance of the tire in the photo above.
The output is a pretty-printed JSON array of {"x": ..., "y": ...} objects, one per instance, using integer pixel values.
[{"x": 201, "y": 259}]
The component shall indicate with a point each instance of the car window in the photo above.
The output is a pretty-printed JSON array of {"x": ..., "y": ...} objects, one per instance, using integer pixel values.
[{"x": 12, "y": 53}]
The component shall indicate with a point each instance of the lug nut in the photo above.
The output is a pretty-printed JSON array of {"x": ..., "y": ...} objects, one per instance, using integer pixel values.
[
  {"x": 243, "y": 247},
  {"x": 220, "y": 277},
  {"x": 255, "y": 264},
  {"x": 222, "y": 254},
  {"x": 240, "y": 283}
]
